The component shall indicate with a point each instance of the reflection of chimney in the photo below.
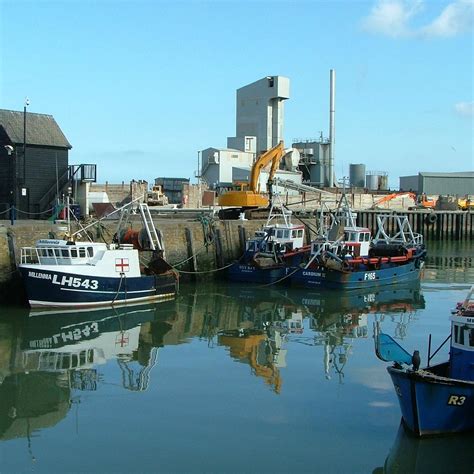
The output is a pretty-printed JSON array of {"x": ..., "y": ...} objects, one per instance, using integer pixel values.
[{"x": 332, "y": 94}]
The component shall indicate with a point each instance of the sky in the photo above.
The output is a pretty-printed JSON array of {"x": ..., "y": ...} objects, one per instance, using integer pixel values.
[{"x": 139, "y": 87}]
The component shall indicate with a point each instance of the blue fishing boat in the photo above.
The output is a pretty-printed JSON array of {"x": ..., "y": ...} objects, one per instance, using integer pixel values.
[
  {"x": 272, "y": 251},
  {"x": 345, "y": 256},
  {"x": 437, "y": 399}
]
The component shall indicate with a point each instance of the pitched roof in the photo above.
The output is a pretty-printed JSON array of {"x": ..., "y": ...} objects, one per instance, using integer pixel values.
[{"x": 41, "y": 129}]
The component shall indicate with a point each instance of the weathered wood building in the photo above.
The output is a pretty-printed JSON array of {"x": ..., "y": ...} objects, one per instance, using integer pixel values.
[{"x": 31, "y": 170}]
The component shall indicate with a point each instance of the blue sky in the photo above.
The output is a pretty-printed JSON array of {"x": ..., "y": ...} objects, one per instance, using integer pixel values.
[{"x": 138, "y": 87}]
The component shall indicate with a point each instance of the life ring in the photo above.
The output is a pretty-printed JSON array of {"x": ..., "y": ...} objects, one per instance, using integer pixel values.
[{"x": 431, "y": 218}]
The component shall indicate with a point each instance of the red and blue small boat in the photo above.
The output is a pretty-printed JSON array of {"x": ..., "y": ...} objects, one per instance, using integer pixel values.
[{"x": 345, "y": 256}]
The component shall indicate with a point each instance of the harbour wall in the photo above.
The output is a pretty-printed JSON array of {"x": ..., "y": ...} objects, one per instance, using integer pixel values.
[{"x": 199, "y": 248}]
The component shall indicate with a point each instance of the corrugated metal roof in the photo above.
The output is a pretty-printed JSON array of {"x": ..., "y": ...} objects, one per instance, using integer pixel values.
[
  {"x": 461, "y": 174},
  {"x": 41, "y": 129}
]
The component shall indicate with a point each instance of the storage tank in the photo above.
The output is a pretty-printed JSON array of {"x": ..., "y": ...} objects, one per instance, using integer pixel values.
[
  {"x": 372, "y": 182},
  {"x": 383, "y": 182},
  {"x": 357, "y": 175}
]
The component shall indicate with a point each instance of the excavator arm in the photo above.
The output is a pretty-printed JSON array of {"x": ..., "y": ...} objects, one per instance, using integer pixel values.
[
  {"x": 273, "y": 156},
  {"x": 251, "y": 197}
]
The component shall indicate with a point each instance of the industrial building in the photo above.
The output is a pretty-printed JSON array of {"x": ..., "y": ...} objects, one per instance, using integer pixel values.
[
  {"x": 259, "y": 127},
  {"x": 260, "y": 113},
  {"x": 33, "y": 161},
  {"x": 459, "y": 184}
]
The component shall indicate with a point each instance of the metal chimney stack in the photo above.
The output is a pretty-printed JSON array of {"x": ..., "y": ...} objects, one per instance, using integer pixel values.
[{"x": 332, "y": 93}]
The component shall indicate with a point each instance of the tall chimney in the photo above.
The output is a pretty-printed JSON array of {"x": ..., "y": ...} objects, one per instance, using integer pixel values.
[{"x": 332, "y": 93}]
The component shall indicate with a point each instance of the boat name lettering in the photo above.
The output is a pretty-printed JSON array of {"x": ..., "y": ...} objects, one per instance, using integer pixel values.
[
  {"x": 75, "y": 282},
  {"x": 313, "y": 274},
  {"x": 369, "y": 276},
  {"x": 456, "y": 400},
  {"x": 42, "y": 276},
  {"x": 76, "y": 334}
]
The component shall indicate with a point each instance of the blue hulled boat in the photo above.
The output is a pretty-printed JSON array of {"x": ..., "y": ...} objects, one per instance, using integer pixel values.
[
  {"x": 273, "y": 252},
  {"x": 63, "y": 273},
  {"x": 437, "y": 399},
  {"x": 345, "y": 256}
]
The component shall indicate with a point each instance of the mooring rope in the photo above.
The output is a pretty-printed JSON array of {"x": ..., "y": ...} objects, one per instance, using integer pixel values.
[{"x": 205, "y": 271}]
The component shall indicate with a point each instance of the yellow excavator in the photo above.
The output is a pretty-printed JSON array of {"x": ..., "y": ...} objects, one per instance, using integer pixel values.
[{"x": 249, "y": 195}]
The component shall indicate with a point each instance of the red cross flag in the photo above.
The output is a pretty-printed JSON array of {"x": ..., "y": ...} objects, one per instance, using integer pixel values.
[{"x": 122, "y": 265}]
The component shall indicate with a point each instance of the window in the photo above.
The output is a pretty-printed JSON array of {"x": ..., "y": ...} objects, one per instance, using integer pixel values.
[
  {"x": 82, "y": 252},
  {"x": 74, "y": 253},
  {"x": 300, "y": 233},
  {"x": 90, "y": 251},
  {"x": 471, "y": 337},
  {"x": 361, "y": 237},
  {"x": 287, "y": 234},
  {"x": 65, "y": 253},
  {"x": 279, "y": 234},
  {"x": 367, "y": 237},
  {"x": 353, "y": 237}
]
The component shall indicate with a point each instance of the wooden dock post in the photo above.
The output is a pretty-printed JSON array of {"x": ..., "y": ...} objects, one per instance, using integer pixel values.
[{"x": 190, "y": 251}]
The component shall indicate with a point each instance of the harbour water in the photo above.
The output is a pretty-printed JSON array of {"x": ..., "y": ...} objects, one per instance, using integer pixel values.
[{"x": 226, "y": 378}]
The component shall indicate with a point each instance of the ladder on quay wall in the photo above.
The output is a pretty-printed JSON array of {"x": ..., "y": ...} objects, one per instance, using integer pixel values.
[{"x": 155, "y": 243}]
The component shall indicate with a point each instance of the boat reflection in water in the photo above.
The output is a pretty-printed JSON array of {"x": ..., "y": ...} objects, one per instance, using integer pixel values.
[
  {"x": 439, "y": 454},
  {"x": 50, "y": 357}
]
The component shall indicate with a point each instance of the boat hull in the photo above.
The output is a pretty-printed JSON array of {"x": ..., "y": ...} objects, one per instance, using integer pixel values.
[
  {"x": 252, "y": 274},
  {"x": 433, "y": 405},
  {"x": 47, "y": 288},
  {"x": 365, "y": 278}
]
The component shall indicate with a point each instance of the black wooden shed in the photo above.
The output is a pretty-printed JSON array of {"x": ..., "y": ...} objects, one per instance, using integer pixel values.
[{"x": 31, "y": 170}]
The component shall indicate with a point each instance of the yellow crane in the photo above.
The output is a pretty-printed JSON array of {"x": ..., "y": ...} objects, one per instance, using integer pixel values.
[{"x": 249, "y": 195}]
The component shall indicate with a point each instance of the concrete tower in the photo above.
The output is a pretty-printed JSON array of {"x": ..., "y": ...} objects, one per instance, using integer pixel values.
[{"x": 260, "y": 112}]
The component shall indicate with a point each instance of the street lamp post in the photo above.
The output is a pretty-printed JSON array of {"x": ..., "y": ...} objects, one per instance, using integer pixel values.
[{"x": 27, "y": 103}]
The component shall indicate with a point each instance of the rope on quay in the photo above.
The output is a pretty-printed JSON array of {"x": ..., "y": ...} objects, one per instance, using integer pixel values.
[
  {"x": 4, "y": 212},
  {"x": 34, "y": 213}
]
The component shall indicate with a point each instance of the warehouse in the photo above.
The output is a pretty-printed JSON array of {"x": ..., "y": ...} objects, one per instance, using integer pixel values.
[
  {"x": 460, "y": 183},
  {"x": 33, "y": 161}
]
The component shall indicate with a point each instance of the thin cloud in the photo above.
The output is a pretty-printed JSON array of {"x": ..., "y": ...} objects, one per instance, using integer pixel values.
[
  {"x": 394, "y": 18},
  {"x": 465, "y": 109},
  {"x": 456, "y": 18}
]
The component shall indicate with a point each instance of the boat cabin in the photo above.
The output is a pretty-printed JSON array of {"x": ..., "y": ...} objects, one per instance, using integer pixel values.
[
  {"x": 462, "y": 342},
  {"x": 354, "y": 242},
  {"x": 277, "y": 237},
  {"x": 62, "y": 252}
]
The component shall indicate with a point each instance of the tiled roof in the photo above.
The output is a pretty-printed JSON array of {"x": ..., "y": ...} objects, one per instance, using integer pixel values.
[{"x": 41, "y": 129}]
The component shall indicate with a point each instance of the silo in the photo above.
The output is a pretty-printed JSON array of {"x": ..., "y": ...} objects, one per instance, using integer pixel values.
[
  {"x": 372, "y": 182},
  {"x": 383, "y": 182},
  {"x": 357, "y": 175}
]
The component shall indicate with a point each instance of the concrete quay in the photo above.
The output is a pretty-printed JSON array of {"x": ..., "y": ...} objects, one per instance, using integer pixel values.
[{"x": 198, "y": 248}]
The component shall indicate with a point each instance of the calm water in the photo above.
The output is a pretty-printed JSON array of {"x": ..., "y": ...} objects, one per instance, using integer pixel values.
[{"x": 225, "y": 379}]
